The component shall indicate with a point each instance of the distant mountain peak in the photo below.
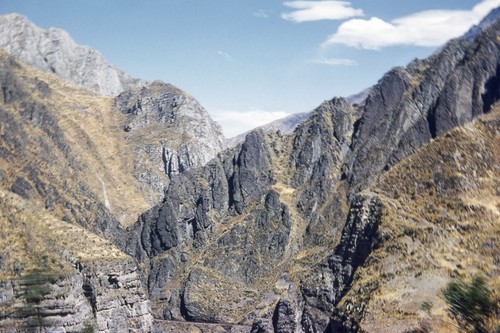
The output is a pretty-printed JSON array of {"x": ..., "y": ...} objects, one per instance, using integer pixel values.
[{"x": 53, "y": 50}]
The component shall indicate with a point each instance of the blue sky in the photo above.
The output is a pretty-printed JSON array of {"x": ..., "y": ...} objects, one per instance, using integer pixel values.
[{"x": 249, "y": 62}]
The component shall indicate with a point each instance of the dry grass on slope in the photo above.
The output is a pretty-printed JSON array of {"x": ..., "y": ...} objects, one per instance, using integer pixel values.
[
  {"x": 441, "y": 221},
  {"x": 91, "y": 130},
  {"x": 32, "y": 239}
]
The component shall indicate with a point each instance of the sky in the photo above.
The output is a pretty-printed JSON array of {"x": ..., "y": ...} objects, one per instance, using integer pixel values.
[{"x": 249, "y": 62}]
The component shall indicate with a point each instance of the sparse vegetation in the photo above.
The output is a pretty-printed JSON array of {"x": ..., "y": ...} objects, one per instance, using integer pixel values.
[
  {"x": 426, "y": 307},
  {"x": 88, "y": 328},
  {"x": 34, "y": 286},
  {"x": 470, "y": 303}
]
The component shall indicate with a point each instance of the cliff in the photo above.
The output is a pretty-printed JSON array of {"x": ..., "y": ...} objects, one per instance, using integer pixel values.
[
  {"x": 169, "y": 131},
  {"x": 57, "y": 276},
  {"x": 274, "y": 231}
]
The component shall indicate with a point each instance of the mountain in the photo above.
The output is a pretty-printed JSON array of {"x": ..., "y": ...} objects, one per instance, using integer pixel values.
[
  {"x": 273, "y": 231},
  {"x": 53, "y": 50},
  {"x": 440, "y": 220},
  {"x": 87, "y": 162},
  {"x": 348, "y": 224},
  {"x": 167, "y": 129}
]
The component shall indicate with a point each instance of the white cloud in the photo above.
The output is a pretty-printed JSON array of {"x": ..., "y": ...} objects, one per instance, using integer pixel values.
[
  {"x": 335, "y": 62},
  {"x": 427, "y": 28},
  {"x": 238, "y": 122},
  {"x": 320, "y": 10},
  {"x": 225, "y": 55}
]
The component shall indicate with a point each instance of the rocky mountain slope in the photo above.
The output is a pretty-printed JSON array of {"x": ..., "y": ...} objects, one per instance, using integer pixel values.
[
  {"x": 82, "y": 157},
  {"x": 273, "y": 231},
  {"x": 62, "y": 185},
  {"x": 347, "y": 224},
  {"x": 169, "y": 131},
  {"x": 440, "y": 219},
  {"x": 53, "y": 50},
  {"x": 60, "y": 147}
]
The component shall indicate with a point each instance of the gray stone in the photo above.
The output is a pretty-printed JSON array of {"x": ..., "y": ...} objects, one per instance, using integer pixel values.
[
  {"x": 181, "y": 134},
  {"x": 107, "y": 295},
  {"x": 22, "y": 187},
  {"x": 284, "y": 318}
]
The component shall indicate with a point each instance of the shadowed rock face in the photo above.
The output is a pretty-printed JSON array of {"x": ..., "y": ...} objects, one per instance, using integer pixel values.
[
  {"x": 409, "y": 106},
  {"x": 305, "y": 189},
  {"x": 53, "y": 50}
]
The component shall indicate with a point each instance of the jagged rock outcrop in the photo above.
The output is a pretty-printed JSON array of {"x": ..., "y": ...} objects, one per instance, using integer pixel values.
[
  {"x": 205, "y": 214},
  {"x": 53, "y": 50},
  {"x": 323, "y": 290},
  {"x": 171, "y": 130},
  {"x": 201, "y": 231}
]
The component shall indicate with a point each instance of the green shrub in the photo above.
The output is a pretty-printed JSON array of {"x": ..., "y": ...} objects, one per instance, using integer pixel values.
[
  {"x": 88, "y": 328},
  {"x": 470, "y": 304}
]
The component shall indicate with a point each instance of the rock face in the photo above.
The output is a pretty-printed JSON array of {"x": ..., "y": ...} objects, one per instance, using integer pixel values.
[
  {"x": 107, "y": 297},
  {"x": 357, "y": 242},
  {"x": 412, "y": 105},
  {"x": 53, "y": 50},
  {"x": 171, "y": 132},
  {"x": 274, "y": 231},
  {"x": 64, "y": 278}
]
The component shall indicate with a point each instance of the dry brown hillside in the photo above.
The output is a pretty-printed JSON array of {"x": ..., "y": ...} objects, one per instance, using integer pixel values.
[
  {"x": 441, "y": 221},
  {"x": 34, "y": 240},
  {"x": 64, "y": 148}
]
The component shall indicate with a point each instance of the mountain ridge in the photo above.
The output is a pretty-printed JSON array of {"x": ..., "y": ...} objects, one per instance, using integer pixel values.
[
  {"x": 189, "y": 138},
  {"x": 324, "y": 229}
]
